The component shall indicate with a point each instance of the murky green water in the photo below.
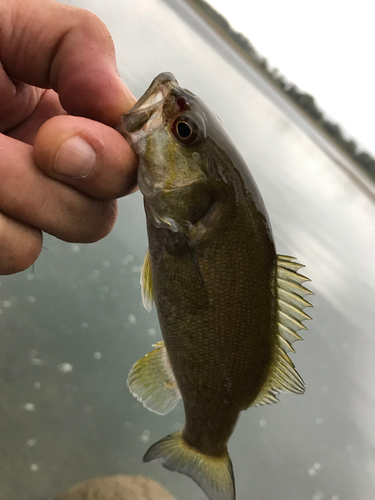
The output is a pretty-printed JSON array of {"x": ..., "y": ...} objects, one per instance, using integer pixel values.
[{"x": 70, "y": 330}]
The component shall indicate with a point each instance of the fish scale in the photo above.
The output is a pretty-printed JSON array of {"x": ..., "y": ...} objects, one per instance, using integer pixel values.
[{"x": 229, "y": 307}]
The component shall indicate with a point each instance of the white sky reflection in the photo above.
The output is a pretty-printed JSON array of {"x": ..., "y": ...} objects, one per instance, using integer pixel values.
[{"x": 326, "y": 48}]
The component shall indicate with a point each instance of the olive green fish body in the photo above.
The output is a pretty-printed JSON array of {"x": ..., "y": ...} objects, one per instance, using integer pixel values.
[
  {"x": 229, "y": 307},
  {"x": 223, "y": 305}
]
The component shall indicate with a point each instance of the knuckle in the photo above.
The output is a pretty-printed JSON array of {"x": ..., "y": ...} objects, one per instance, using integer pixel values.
[
  {"x": 20, "y": 246},
  {"x": 87, "y": 21},
  {"x": 104, "y": 221},
  {"x": 92, "y": 225}
]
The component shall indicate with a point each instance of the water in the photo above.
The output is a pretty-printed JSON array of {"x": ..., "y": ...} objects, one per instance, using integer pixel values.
[{"x": 71, "y": 329}]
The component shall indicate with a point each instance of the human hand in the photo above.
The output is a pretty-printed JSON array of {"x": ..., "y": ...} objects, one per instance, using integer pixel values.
[{"x": 59, "y": 173}]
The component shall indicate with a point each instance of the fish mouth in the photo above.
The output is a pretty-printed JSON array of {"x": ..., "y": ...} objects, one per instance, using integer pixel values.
[{"x": 146, "y": 114}]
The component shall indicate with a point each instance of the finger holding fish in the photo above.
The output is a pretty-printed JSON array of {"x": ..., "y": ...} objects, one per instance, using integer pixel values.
[
  {"x": 64, "y": 143},
  {"x": 66, "y": 186},
  {"x": 20, "y": 245}
]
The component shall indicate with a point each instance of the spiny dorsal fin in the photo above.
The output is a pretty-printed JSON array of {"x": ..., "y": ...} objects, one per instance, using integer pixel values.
[
  {"x": 152, "y": 381},
  {"x": 146, "y": 283},
  {"x": 290, "y": 293}
]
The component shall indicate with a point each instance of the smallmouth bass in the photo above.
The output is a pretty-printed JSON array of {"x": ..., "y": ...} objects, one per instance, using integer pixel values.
[{"x": 229, "y": 307}]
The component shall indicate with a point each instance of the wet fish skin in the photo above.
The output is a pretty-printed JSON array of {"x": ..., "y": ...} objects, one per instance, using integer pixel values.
[{"x": 213, "y": 274}]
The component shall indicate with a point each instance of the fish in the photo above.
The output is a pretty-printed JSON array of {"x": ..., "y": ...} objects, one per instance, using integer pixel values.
[{"x": 229, "y": 306}]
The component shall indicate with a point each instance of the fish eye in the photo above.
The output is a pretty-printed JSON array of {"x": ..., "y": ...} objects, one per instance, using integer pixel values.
[{"x": 185, "y": 130}]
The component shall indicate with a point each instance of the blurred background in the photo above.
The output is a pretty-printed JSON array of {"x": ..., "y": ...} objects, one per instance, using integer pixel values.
[
  {"x": 326, "y": 48},
  {"x": 71, "y": 328}
]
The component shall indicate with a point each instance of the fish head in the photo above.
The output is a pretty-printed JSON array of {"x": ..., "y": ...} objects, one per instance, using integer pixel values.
[
  {"x": 167, "y": 128},
  {"x": 186, "y": 159}
]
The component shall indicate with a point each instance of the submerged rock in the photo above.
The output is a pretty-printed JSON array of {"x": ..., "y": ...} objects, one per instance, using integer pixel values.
[{"x": 117, "y": 488}]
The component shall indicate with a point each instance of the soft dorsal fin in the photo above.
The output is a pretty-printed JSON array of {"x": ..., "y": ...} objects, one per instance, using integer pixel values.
[
  {"x": 290, "y": 293},
  {"x": 146, "y": 283},
  {"x": 152, "y": 381}
]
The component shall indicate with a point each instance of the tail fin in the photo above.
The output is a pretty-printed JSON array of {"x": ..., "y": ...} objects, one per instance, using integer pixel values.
[{"x": 213, "y": 474}]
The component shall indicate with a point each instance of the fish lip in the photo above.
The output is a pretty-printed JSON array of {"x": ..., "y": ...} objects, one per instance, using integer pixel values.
[
  {"x": 140, "y": 113},
  {"x": 162, "y": 83}
]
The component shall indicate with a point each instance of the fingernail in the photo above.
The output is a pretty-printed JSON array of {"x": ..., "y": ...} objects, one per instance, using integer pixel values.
[{"x": 76, "y": 158}]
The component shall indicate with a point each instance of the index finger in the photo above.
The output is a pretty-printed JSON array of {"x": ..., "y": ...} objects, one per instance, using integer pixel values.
[{"x": 50, "y": 45}]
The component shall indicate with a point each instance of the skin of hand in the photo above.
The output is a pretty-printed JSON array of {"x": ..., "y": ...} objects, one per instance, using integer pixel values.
[{"x": 62, "y": 165}]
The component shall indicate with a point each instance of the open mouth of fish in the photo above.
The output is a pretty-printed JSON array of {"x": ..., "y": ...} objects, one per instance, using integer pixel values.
[{"x": 147, "y": 114}]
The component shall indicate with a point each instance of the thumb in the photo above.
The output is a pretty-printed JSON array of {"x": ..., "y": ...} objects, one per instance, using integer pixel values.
[
  {"x": 86, "y": 154},
  {"x": 76, "y": 158}
]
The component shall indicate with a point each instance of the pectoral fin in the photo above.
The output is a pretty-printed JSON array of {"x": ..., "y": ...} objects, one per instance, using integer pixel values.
[
  {"x": 179, "y": 266},
  {"x": 146, "y": 283},
  {"x": 152, "y": 381},
  {"x": 290, "y": 292}
]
